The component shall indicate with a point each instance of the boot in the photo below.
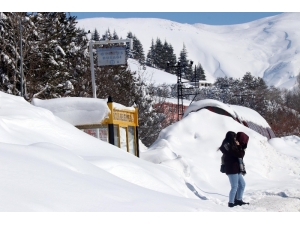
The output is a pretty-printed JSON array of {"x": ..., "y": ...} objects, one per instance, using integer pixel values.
[
  {"x": 240, "y": 202},
  {"x": 231, "y": 205}
]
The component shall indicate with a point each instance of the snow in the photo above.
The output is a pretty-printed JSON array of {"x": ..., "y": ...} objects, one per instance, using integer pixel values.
[
  {"x": 58, "y": 48},
  {"x": 76, "y": 110},
  {"x": 268, "y": 47},
  {"x": 48, "y": 165},
  {"x": 236, "y": 111},
  {"x": 79, "y": 111},
  {"x": 208, "y": 102},
  {"x": 247, "y": 114},
  {"x": 190, "y": 147},
  {"x": 152, "y": 75}
]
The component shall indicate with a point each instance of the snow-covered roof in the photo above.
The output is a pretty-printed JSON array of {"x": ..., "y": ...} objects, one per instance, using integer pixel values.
[
  {"x": 79, "y": 111},
  {"x": 76, "y": 110},
  {"x": 240, "y": 112},
  {"x": 250, "y": 115},
  {"x": 195, "y": 106}
]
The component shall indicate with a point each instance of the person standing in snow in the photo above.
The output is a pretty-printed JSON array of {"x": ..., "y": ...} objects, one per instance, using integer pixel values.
[{"x": 232, "y": 151}]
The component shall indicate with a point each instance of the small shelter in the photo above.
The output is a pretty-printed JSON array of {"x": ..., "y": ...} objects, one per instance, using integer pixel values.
[
  {"x": 241, "y": 114},
  {"x": 102, "y": 118}
]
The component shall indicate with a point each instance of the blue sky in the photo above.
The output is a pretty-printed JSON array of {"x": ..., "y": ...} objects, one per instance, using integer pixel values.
[
  {"x": 213, "y": 12},
  {"x": 212, "y": 18}
]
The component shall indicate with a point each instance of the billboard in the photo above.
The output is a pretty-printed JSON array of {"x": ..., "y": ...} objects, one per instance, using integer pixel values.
[{"x": 110, "y": 56}]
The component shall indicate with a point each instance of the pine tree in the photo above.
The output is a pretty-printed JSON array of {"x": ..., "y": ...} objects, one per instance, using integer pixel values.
[
  {"x": 169, "y": 57},
  {"x": 95, "y": 35},
  {"x": 201, "y": 72},
  {"x": 137, "y": 51},
  {"x": 151, "y": 55},
  {"x": 158, "y": 54},
  {"x": 249, "y": 81},
  {"x": 183, "y": 58},
  {"x": 129, "y": 51},
  {"x": 58, "y": 51},
  {"x": 117, "y": 82},
  {"x": 106, "y": 36},
  {"x": 115, "y": 36}
]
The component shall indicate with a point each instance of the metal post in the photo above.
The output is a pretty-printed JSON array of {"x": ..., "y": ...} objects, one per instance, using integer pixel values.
[
  {"x": 92, "y": 68},
  {"x": 21, "y": 58},
  {"x": 137, "y": 141},
  {"x": 111, "y": 135}
]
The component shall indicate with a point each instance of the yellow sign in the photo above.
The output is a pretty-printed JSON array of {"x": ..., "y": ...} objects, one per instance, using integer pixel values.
[{"x": 123, "y": 116}]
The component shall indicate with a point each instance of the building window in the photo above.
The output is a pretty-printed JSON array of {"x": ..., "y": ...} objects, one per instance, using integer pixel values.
[
  {"x": 131, "y": 140},
  {"x": 123, "y": 138},
  {"x": 116, "y": 135}
]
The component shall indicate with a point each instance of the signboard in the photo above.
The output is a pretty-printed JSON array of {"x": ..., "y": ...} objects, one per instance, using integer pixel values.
[
  {"x": 124, "y": 116},
  {"x": 111, "y": 56}
]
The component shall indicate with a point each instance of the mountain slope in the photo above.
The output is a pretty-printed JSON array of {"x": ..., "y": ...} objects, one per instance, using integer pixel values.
[{"x": 268, "y": 48}]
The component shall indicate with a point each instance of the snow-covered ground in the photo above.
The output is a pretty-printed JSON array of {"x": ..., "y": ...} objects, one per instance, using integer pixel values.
[
  {"x": 50, "y": 166},
  {"x": 268, "y": 48},
  {"x": 273, "y": 167}
]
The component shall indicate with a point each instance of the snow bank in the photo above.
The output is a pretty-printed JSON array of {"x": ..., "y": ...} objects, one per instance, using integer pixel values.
[{"x": 49, "y": 165}]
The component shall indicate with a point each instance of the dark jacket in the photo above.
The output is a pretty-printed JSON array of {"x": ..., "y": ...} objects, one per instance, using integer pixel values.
[{"x": 231, "y": 155}]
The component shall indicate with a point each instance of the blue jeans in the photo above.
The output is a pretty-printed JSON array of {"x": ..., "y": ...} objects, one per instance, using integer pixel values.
[{"x": 237, "y": 186}]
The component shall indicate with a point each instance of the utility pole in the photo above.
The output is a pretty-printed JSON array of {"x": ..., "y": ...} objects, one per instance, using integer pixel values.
[
  {"x": 180, "y": 67},
  {"x": 92, "y": 67}
]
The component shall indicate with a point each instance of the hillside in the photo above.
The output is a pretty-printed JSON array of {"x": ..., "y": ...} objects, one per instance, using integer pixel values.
[{"x": 268, "y": 48}]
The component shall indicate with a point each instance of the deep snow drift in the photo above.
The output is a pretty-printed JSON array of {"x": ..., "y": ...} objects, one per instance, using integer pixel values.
[
  {"x": 268, "y": 47},
  {"x": 49, "y": 165}
]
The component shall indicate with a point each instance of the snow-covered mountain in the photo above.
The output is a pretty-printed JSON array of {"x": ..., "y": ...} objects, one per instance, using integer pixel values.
[{"x": 268, "y": 47}]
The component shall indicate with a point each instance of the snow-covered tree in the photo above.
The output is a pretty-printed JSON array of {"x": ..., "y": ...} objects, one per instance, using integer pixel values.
[
  {"x": 150, "y": 117},
  {"x": 137, "y": 51},
  {"x": 60, "y": 54},
  {"x": 12, "y": 27},
  {"x": 52, "y": 49}
]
